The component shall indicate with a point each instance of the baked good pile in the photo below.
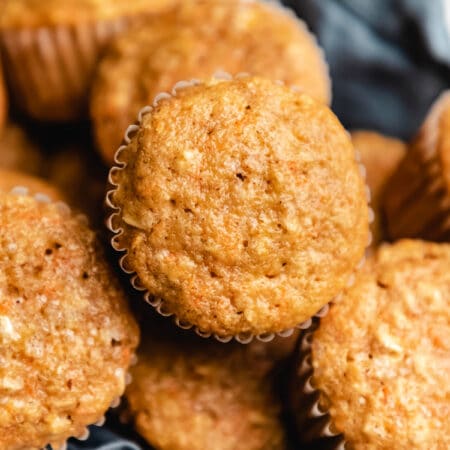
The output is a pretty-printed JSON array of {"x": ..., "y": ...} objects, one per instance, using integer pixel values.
[{"x": 186, "y": 225}]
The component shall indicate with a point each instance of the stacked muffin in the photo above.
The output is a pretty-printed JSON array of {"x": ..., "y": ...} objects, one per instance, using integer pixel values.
[{"x": 236, "y": 205}]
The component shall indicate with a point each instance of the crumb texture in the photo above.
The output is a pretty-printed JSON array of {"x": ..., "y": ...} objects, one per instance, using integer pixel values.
[
  {"x": 66, "y": 335},
  {"x": 196, "y": 41},
  {"x": 382, "y": 355},
  {"x": 209, "y": 395},
  {"x": 242, "y": 206}
]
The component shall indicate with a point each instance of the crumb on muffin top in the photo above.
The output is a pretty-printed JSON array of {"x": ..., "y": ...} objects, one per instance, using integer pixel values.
[
  {"x": 66, "y": 334},
  {"x": 381, "y": 356},
  {"x": 242, "y": 206}
]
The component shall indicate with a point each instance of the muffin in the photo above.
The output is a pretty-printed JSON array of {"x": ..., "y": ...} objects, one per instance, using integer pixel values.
[
  {"x": 417, "y": 197},
  {"x": 375, "y": 372},
  {"x": 51, "y": 49},
  {"x": 10, "y": 179},
  {"x": 196, "y": 41},
  {"x": 192, "y": 394},
  {"x": 18, "y": 152},
  {"x": 239, "y": 206},
  {"x": 3, "y": 101},
  {"x": 66, "y": 334},
  {"x": 380, "y": 155},
  {"x": 78, "y": 173}
]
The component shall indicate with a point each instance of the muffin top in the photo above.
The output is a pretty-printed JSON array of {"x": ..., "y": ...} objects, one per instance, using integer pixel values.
[
  {"x": 10, "y": 179},
  {"x": 241, "y": 206},
  {"x": 208, "y": 394},
  {"x": 66, "y": 334},
  {"x": 18, "y": 152},
  {"x": 381, "y": 356},
  {"x": 380, "y": 156},
  {"x": 38, "y": 13},
  {"x": 195, "y": 41}
]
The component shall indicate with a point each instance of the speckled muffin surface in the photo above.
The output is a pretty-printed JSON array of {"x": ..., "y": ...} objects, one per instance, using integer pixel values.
[
  {"x": 195, "y": 41},
  {"x": 380, "y": 155},
  {"x": 209, "y": 395},
  {"x": 66, "y": 334},
  {"x": 18, "y": 152},
  {"x": 381, "y": 356},
  {"x": 241, "y": 205},
  {"x": 35, "y": 13}
]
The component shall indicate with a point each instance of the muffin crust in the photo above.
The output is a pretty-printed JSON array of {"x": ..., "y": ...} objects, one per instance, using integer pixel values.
[
  {"x": 195, "y": 41},
  {"x": 211, "y": 396},
  {"x": 381, "y": 356},
  {"x": 66, "y": 334},
  {"x": 3, "y": 101},
  {"x": 241, "y": 205},
  {"x": 38, "y": 13}
]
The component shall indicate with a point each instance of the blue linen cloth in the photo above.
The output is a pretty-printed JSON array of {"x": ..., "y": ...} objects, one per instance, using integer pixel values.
[{"x": 389, "y": 59}]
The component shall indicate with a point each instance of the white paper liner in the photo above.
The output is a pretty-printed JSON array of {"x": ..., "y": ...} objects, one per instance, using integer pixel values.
[
  {"x": 158, "y": 303},
  {"x": 49, "y": 69},
  {"x": 314, "y": 425}
]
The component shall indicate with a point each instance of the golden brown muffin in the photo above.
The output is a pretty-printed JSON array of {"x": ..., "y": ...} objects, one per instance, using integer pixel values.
[
  {"x": 10, "y": 179},
  {"x": 66, "y": 334},
  {"x": 241, "y": 206},
  {"x": 3, "y": 101},
  {"x": 18, "y": 152},
  {"x": 38, "y": 13},
  {"x": 197, "y": 40},
  {"x": 51, "y": 49},
  {"x": 82, "y": 178},
  {"x": 192, "y": 394},
  {"x": 381, "y": 356},
  {"x": 417, "y": 197},
  {"x": 380, "y": 156}
]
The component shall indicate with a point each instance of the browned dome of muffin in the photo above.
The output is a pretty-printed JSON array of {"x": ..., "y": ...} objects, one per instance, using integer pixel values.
[
  {"x": 195, "y": 41},
  {"x": 242, "y": 206},
  {"x": 191, "y": 394},
  {"x": 66, "y": 334},
  {"x": 381, "y": 355}
]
